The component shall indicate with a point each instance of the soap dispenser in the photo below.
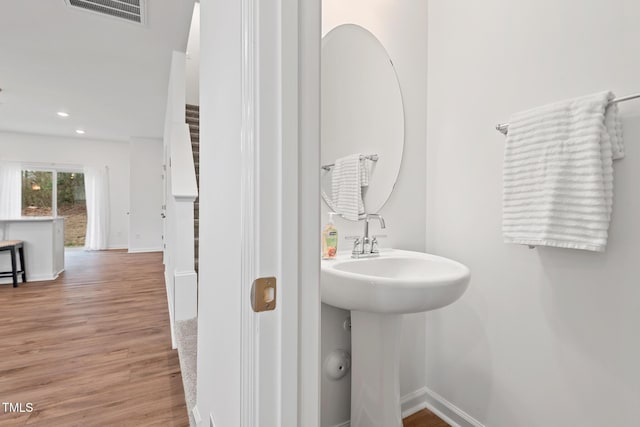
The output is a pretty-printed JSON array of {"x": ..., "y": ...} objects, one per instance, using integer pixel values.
[{"x": 330, "y": 239}]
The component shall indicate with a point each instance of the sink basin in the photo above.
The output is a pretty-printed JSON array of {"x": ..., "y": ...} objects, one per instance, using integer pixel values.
[
  {"x": 397, "y": 282},
  {"x": 378, "y": 291}
]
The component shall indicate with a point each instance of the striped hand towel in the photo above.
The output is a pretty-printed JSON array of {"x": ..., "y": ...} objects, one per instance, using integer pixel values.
[
  {"x": 558, "y": 173},
  {"x": 347, "y": 179}
]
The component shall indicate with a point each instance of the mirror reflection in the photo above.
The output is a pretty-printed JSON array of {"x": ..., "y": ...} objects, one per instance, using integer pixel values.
[{"x": 362, "y": 122}]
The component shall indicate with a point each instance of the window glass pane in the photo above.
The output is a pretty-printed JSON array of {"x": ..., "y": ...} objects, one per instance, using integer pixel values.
[
  {"x": 36, "y": 193},
  {"x": 72, "y": 205}
]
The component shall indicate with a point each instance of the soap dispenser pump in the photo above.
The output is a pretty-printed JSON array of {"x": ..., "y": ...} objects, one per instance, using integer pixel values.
[{"x": 330, "y": 239}]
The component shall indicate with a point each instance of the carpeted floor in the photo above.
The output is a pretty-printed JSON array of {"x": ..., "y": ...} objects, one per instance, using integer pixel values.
[{"x": 187, "y": 340}]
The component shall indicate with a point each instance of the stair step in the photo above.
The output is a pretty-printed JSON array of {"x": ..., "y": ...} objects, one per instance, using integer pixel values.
[{"x": 192, "y": 119}]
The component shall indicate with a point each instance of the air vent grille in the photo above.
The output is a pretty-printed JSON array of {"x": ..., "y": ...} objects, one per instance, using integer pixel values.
[{"x": 130, "y": 10}]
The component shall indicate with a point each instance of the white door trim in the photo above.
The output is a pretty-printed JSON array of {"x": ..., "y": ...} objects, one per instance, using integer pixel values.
[
  {"x": 248, "y": 351},
  {"x": 308, "y": 83},
  {"x": 299, "y": 239}
]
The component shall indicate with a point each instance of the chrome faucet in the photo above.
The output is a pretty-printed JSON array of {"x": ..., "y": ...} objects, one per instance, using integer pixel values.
[{"x": 365, "y": 246}]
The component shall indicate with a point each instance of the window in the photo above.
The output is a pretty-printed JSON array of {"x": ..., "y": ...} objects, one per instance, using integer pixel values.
[
  {"x": 57, "y": 193},
  {"x": 37, "y": 193}
]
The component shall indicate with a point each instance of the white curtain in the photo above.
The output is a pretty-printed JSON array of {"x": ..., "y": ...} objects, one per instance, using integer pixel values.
[
  {"x": 10, "y": 190},
  {"x": 96, "y": 184}
]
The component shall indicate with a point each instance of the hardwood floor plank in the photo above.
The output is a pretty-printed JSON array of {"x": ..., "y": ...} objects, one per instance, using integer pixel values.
[
  {"x": 92, "y": 348},
  {"x": 424, "y": 418}
]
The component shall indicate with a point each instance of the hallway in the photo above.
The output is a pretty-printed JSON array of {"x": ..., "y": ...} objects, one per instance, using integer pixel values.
[{"x": 92, "y": 348}]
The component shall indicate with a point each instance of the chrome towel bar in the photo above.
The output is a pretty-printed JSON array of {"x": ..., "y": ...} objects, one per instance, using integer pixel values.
[
  {"x": 372, "y": 157},
  {"x": 503, "y": 128}
]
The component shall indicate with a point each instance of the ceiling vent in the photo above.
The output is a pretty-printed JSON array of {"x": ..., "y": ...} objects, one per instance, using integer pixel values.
[{"x": 129, "y": 10}]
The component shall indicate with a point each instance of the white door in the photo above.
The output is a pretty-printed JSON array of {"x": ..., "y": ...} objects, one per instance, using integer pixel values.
[{"x": 259, "y": 213}]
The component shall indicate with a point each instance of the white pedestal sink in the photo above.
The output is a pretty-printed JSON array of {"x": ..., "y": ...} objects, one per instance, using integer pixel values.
[{"x": 378, "y": 291}]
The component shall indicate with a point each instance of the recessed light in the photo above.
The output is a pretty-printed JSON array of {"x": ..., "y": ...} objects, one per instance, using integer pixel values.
[
  {"x": 63, "y": 114},
  {"x": 79, "y": 131}
]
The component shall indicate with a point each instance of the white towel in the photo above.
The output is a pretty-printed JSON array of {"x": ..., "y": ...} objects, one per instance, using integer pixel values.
[
  {"x": 558, "y": 173},
  {"x": 349, "y": 175}
]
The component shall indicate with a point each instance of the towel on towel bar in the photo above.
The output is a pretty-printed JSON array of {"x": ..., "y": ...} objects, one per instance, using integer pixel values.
[
  {"x": 349, "y": 175},
  {"x": 558, "y": 173}
]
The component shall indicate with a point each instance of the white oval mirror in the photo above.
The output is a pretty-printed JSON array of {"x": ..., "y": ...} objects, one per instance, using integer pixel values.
[{"x": 362, "y": 112}]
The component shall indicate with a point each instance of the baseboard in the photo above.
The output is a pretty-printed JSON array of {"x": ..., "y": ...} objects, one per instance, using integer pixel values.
[
  {"x": 117, "y": 247},
  {"x": 413, "y": 402},
  {"x": 195, "y": 413},
  {"x": 185, "y": 295},
  {"x": 450, "y": 413},
  {"x": 144, "y": 250},
  {"x": 174, "y": 344},
  {"x": 424, "y": 398},
  {"x": 30, "y": 278}
]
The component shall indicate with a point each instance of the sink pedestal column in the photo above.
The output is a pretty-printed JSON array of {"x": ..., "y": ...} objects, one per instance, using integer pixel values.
[{"x": 375, "y": 382}]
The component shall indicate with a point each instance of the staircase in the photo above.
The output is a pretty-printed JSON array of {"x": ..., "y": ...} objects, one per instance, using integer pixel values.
[{"x": 193, "y": 120}]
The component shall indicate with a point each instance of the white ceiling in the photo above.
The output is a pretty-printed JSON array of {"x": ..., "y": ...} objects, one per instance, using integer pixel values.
[{"x": 110, "y": 75}]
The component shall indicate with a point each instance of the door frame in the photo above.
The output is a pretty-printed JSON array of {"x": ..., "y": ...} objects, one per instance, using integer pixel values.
[
  {"x": 260, "y": 140},
  {"x": 298, "y": 296}
]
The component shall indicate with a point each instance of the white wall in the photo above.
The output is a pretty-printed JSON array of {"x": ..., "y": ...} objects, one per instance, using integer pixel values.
[
  {"x": 193, "y": 59},
  {"x": 218, "y": 303},
  {"x": 146, "y": 186},
  {"x": 544, "y": 337},
  {"x": 401, "y": 27},
  {"x": 80, "y": 151}
]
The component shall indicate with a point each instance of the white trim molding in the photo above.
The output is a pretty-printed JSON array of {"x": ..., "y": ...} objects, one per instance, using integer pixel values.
[
  {"x": 413, "y": 402},
  {"x": 196, "y": 415},
  {"x": 168, "y": 282},
  {"x": 144, "y": 250},
  {"x": 424, "y": 398},
  {"x": 31, "y": 278},
  {"x": 429, "y": 399},
  {"x": 116, "y": 248},
  {"x": 185, "y": 295},
  {"x": 309, "y": 32},
  {"x": 248, "y": 215}
]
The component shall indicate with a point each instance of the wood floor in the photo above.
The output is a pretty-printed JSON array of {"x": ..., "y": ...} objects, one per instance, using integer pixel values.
[
  {"x": 424, "y": 418},
  {"x": 92, "y": 348}
]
